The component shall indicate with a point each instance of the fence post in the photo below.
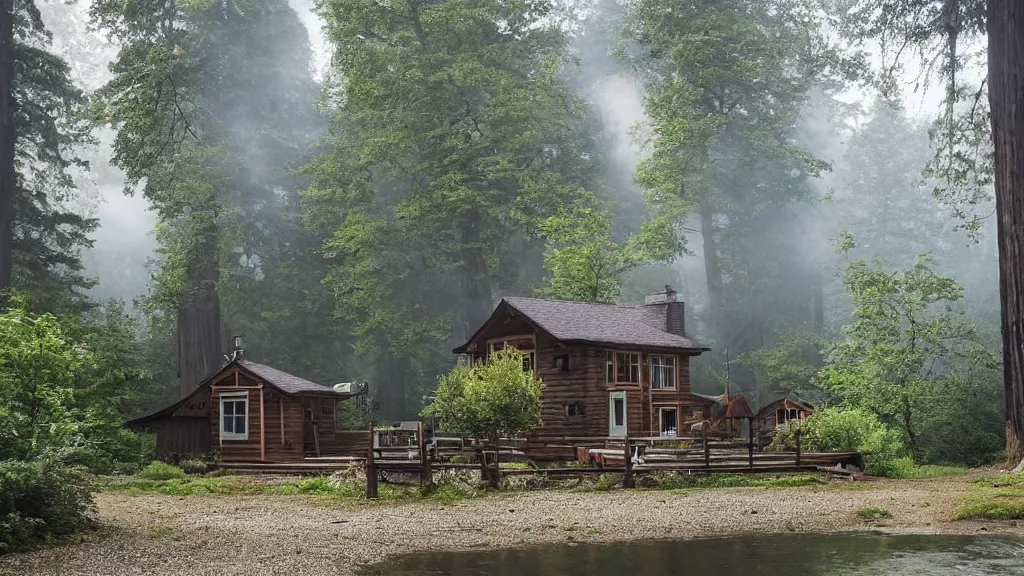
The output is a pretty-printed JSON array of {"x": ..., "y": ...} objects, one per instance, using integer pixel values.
[
  {"x": 371, "y": 469},
  {"x": 627, "y": 478},
  {"x": 797, "y": 435},
  {"x": 750, "y": 444},
  {"x": 425, "y": 474},
  {"x": 707, "y": 449}
]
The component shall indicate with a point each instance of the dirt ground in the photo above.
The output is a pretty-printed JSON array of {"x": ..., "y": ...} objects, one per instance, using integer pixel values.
[{"x": 221, "y": 535}]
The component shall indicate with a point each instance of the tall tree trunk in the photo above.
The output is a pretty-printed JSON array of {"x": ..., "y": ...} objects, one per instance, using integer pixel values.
[
  {"x": 200, "y": 345},
  {"x": 1006, "y": 98},
  {"x": 714, "y": 276},
  {"x": 7, "y": 142}
]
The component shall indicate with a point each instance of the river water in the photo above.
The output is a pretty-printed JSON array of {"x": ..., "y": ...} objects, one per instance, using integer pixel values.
[{"x": 785, "y": 554}]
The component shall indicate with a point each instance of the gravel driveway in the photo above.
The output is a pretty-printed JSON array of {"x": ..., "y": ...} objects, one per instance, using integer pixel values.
[{"x": 275, "y": 535}]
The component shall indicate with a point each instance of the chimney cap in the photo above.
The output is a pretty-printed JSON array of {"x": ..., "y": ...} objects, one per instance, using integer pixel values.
[{"x": 669, "y": 295}]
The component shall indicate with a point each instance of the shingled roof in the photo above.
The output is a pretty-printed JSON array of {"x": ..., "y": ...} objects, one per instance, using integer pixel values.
[
  {"x": 284, "y": 381},
  {"x": 593, "y": 323}
]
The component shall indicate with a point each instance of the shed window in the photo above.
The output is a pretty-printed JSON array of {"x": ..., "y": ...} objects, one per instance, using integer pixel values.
[
  {"x": 234, "y": 417},
  {"x": 560, "y": 362},
  {"x": 663, "y": 372},
  {"x": 623, "y": 368},
  {"x": 574, "y": 409}
]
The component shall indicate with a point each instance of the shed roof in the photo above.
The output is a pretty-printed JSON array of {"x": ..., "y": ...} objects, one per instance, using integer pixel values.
[
  {"x": 286, "y": 382},
  {"x": 799, "y": 403},
  {"x": 591, "y": 322},
  {"x": 283, "y": 381}
]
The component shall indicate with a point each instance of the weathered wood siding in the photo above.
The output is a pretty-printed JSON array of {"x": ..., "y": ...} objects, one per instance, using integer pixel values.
[
  {"x": 283, "y": 416},
  {"x": 181, "y": 436}
]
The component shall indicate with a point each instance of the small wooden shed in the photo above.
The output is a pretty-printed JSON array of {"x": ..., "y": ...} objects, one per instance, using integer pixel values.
[
  {"x": 782, "y": 411},
  {"x": 248, "y": 412}
]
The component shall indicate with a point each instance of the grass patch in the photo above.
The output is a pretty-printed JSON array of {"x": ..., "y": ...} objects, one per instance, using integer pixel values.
[
  {"x": 993, "y": 498},
  {"x": 873, "y": 513},
  {"x": 514, "y": 465},
  {"x": 161, "y": 471},
  {"x": 158, "y": 531},
  {"x": 320, "y": 487},
  {"x": 934, "y": 471},
  {"x": 712, "y": 481}
]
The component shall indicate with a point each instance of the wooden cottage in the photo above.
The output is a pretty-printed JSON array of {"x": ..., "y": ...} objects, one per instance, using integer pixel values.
[
  {"x": 608, "y": 370},
  {"x": 781, "y": 412},
  {"x": 248, "y": 412}
]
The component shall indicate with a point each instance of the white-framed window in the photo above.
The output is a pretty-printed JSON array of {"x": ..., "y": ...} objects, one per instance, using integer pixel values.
[
  {"x": 234, "y": 416},
  {"x": 663, "y": 372},
  {"x": 669, "y": 422},
  {"x": 623, "y": 368}
]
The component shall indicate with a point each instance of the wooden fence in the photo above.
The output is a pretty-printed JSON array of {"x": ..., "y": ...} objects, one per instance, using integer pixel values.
[
  {"x": 411, "y": 453},
  {"x": 599, "y": 455}
]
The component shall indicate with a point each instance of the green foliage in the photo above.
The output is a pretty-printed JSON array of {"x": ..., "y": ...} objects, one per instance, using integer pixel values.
[
  {"x": 873, "y": 513},
  {"x": 40, "y": 500},
  {"x": 48, "y": 230},
  {"x": 452, "y": 140},
  {"x": 663, "y": 481},
  {"x": 1000, "y": 498},
  {"x": 190, "y": 466},
  {"x": 607, "y": 482},
  {"x": 490, "y": 400},
  {"x": 586, "y": 263},
  {"x": 837, "y": 429},
  {"x": 791, "y": 364},
  {"x": 38, "y": 369},
  {"x": 161, "y": 471},
  {"x": 899, "y": 349}
]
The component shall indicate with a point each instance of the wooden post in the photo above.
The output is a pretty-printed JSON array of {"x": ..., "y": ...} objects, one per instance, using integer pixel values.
[
  {"x": 371, "y": 470},
  {"x": 263, "y": 431},
  {"x": 750, "y": 443},
  {"x": 707, "y": 449},
  {"x": 797, "y": 435},
  {"x": 627, "y": 478},
  {"x": 280, "y": 405},
  {"x": 425, "y": 474}
]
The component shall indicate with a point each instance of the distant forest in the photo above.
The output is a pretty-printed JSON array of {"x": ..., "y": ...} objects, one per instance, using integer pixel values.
[{"x": 359, "y": 221}]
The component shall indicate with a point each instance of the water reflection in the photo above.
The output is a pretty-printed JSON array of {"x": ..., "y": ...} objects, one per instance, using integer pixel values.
[{"x": 789, "y": 554}]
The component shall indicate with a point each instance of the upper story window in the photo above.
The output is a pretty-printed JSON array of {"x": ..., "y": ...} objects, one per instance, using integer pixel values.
[
  {"x": 623, "y": 368},
  {"x": 234, "y": 416},
  {"x": 663, "y": 372}
]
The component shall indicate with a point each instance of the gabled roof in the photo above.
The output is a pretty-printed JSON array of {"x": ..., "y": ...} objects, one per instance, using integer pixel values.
[
  {"x": 283, "y": 381},
  {"x": 738, "y": 406},
  {"x": 771, "y": 406},
  {"x": 594, "y": 323}
]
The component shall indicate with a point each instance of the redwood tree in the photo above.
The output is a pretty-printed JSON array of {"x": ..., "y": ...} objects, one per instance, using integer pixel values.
[{"x": 1006, "y": 99}]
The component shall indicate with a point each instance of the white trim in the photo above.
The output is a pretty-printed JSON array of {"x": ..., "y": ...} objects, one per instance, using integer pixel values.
[
  {"x": 614, "y": 430},
  {"x": 233, "y": 397}
]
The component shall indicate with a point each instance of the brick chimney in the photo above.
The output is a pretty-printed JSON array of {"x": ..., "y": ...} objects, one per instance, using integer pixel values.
[{"x": 674, "y": 312}]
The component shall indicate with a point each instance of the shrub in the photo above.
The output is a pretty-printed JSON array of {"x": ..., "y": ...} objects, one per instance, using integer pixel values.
[
  {"x": 836, "y": 429},
  {"x": 161, "y": 471},
  {"x": 317, "y": 485},
  {"x": 194, "y": 466},
  {"x": 873, "y": 513},
  {"x": 41, "y": 500}
]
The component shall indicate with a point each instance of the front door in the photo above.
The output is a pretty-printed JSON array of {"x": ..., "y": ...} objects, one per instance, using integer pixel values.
[{"x": 617, "y": 413}]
